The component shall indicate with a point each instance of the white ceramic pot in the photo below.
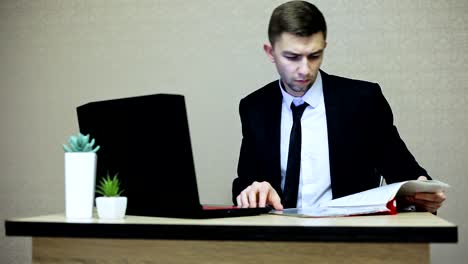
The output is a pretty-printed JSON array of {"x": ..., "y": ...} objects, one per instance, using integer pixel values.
[
  {"x": 80, "y": 178},
  {"x": 111, "y": 207}
]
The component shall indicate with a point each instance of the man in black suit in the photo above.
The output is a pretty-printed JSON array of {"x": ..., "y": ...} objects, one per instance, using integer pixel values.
[{"x": 310, "y": 137}]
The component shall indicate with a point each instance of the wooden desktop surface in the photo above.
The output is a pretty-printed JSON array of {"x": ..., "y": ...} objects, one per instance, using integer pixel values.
[
  {"x": 402, "y": 219},
  {"x": 402, "y": 238}
]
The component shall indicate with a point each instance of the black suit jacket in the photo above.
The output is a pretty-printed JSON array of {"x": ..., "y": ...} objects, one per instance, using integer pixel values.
[{"x": 362, "y": 140}]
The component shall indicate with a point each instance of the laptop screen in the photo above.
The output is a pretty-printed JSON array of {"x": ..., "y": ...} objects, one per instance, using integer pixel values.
[{"x": 146, "y": 140}]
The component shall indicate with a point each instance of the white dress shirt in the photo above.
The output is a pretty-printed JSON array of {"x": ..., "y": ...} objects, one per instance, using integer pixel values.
[{"x": 314, "y": 183}]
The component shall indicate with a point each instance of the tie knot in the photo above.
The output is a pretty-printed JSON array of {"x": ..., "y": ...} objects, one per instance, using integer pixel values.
[{"x": 297, "y": 111}]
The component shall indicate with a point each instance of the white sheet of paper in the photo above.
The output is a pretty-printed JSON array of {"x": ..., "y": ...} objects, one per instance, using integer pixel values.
[
  {"x": 430, "y": 186},
  {"x": 378, "y": 196}
]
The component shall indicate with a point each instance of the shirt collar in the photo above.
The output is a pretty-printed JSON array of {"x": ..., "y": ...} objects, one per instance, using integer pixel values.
[{"x": 312, "y": 96}]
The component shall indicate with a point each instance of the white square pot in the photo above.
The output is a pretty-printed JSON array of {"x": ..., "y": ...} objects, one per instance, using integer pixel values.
[
  {"x": 80, "y": 178},
  {"x": 111, "y": 207}
]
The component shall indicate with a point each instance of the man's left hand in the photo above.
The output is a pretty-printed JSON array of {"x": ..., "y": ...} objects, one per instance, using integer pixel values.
[{"x": 427, "y": 201}]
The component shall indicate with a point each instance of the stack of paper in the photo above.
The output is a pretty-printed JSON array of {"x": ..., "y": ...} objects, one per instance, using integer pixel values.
[{"x": 380, "y": 200}]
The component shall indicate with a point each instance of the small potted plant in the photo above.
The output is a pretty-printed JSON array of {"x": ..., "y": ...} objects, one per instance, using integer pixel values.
[
  {"x": 111, "y": 205},
  {"x": 80, "y": 176}
]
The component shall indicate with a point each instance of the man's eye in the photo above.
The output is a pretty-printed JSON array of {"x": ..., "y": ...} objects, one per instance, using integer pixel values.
[
  {"x": 291, "y": 57},
  {"x": 314, "y": 57}
]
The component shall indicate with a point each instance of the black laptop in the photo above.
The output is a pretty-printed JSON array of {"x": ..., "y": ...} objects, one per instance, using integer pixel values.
[{"x": 146, "y": 140}]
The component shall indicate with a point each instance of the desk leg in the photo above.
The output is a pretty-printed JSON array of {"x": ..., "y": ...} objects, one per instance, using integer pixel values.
[{"x": 97, "y": 251}]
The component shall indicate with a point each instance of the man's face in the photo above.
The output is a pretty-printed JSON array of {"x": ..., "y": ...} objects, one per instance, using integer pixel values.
[{"x": 297, "y": 60}]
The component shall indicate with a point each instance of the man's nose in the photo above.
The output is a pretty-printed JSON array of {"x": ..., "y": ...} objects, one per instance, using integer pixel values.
[{"x": 303, "y": 67}]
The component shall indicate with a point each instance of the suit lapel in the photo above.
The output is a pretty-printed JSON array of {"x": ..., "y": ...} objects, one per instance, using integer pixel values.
[
  {"x": 332, "y": 109},
  {"x": 273, "y": 124}
]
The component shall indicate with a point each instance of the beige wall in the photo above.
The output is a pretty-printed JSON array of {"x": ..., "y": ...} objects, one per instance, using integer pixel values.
[{"x": 56, "y": 55}]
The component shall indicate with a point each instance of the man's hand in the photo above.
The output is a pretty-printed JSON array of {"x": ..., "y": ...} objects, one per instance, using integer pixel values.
[
  {"x": 259, "y": 194},
  {"x": 427, "y": 201}
]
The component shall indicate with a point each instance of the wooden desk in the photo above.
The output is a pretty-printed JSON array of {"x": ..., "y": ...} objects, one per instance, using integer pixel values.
[{"x": 402, "y": 238}]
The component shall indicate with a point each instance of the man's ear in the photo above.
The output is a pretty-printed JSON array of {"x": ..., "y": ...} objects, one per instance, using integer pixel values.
[{"x": 269, "y": 51}]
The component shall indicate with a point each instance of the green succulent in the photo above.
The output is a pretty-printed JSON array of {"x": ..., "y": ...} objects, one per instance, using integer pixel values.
[
  {"x": 80, "y": 143},
  {"x": 109, "y": 187}
]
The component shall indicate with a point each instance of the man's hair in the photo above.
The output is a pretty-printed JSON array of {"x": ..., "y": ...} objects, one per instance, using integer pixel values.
[{"x": 296, "y": 17}]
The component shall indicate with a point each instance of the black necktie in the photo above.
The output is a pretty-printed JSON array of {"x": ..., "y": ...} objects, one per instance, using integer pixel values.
[{"x": 294, "y": 158}]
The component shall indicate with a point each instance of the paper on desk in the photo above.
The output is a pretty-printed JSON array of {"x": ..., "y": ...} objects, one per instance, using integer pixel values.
[
  {"x": 382, "y": 195},
  {"x": 331, "y": 211},
  {"x": 367, "y": 202}
]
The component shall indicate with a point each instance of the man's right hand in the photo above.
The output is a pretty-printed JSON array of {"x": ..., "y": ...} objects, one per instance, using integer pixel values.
[{"x": 259, "y": 194}]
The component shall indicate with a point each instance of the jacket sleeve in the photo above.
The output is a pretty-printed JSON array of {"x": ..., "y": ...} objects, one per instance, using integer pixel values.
[{"x": 394, "y": 160}]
